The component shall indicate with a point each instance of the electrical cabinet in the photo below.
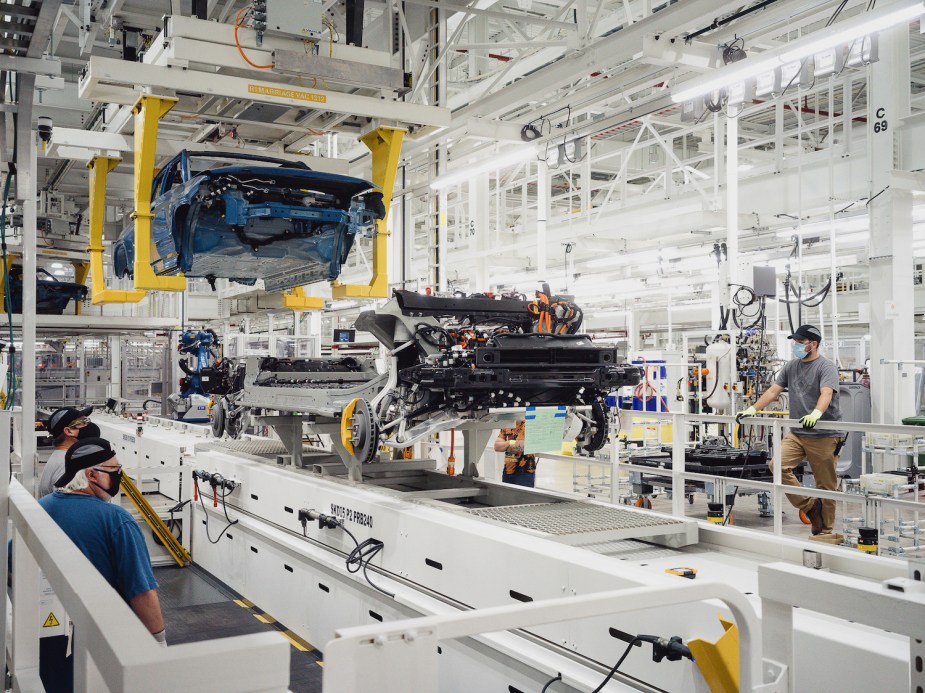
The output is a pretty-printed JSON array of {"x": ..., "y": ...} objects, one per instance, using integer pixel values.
[{"x": 296, "y": 17}]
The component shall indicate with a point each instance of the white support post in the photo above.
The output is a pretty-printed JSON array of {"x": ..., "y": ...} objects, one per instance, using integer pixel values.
[
  {"x": 678, "y": 440},
  {"x": 6, "y": 427},
  {"x": 115, "y": 368},
  {"x": 542, "y": 216},
  {"x": 479, "y": 238},
  {"x": 26, "y": 193},
  {"x": 891, "y": 269},
  {"x": 777, "y": 499},
  {"x": 732, "y": 195}
]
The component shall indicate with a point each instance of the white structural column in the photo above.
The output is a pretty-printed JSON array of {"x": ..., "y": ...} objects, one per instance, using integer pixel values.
[
  {"x": 26, "y": 192},
  {"x": 542, "y": 215},
  {"x": 891, "y": 288},
  {"x": 479, "y": 233},
  {"x": 115, "y": 367},
  {"x": 732, "y": 195}
]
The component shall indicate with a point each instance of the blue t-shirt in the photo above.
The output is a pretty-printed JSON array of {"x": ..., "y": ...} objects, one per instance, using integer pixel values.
[{"x": 108, "y": 536}]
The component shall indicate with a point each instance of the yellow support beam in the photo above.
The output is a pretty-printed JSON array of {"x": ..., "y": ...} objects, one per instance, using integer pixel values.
[
  {"x": 81, "y": 272},
  {"x": 148, "y": 111},
  {"x": 385, "y": 146},
  {"x": 5, "y": 270},
  {"x": 157, "y": 525},
  {"x": 297, "y": 300},
  {"x": 100, "y": 166}
]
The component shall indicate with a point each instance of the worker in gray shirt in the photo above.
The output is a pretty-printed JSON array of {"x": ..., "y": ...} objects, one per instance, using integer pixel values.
[
  {"x": 66, "y": 426},
  {"x": 812, "y": 382}
]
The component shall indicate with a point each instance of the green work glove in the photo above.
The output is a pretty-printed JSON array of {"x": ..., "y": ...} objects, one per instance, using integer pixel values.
[
  {"x": 751, "y": 411},
  {"x": 809, "y": 421}
]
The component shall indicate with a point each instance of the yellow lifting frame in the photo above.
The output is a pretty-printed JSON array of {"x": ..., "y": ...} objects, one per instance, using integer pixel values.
[
  {"x": 297, "y": 300},
  {"x": 385, "y": 146},
  {"x": 100, "y": 166},
  {"x": 5, "y": 268},
  {"x": 148, "y": 110}
]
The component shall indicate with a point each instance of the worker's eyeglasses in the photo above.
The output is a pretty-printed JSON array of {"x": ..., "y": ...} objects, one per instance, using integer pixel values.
[{"x": 109, "y": 470}]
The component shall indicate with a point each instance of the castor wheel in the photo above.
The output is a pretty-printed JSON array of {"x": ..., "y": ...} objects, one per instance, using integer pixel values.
[
  {"x": 805, "y": 520},
  {"x": 643, "y": 502}
]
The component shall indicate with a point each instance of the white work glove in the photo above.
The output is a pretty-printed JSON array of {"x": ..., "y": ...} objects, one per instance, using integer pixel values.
[{"x": 161, "y": 637}]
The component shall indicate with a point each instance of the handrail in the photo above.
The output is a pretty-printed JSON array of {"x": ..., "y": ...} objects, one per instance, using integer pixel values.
[
  {"x": 114, "y": 651},
  {"x": 410, "y": 645}
]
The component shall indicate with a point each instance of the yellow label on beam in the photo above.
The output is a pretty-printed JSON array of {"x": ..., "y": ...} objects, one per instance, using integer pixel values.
[
  {"x": 287, "y": 93},
  {"x": 51, "y": 621}
]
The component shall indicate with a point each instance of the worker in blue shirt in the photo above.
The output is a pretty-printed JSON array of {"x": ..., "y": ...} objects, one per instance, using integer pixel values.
[{"x": 105, "y": 532}]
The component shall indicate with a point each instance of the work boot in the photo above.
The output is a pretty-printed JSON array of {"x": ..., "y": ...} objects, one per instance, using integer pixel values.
[{"x": 814, "y": 513}]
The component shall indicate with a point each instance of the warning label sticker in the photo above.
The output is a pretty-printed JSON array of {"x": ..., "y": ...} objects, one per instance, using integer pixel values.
[
  {"x": 51, "y": 621},
  {"x": 286, "y": 93}
]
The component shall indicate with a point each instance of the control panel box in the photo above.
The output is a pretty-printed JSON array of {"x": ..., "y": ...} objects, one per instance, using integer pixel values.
[{"x": 302, "y": 18}]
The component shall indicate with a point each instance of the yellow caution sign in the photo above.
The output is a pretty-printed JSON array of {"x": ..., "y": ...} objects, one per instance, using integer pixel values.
[{"x": 51, "y": 621}]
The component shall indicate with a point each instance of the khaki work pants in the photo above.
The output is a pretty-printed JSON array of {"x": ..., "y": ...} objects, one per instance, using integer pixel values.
[{"x": 820, "y": 453}]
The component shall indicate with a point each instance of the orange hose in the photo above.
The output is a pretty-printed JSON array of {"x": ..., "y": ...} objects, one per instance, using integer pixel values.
[{"x": 237, "y": 25}]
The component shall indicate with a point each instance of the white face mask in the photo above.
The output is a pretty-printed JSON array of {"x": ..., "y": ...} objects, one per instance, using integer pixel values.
[{"x": 799, "y": 350}]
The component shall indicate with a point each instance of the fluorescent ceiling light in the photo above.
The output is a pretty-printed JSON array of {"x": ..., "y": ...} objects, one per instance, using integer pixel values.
[
  {"x": 57, "y": 265},
  {"x": 851, "y": 29},
  {"x": 843, "y": 225},
  {"x": 852, "y": 238},
  {"x": 681, "y": 307},
  {"x": 509, "y": 158},
  {"x": 632, "y": 259},
  {"x": 840, "y": 34}
]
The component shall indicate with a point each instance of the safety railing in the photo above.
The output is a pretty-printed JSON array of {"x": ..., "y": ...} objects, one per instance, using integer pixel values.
[
  {"x": 678, "y": 474},
  {"x": 403, "y": 655},
  {"x": 112, "y": 650}
]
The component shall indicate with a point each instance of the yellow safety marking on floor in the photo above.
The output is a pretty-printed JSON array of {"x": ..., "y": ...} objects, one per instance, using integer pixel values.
[
  {"x": 265, "y": 618},
  {"x": 296, "y": 641},
  {"x": 51, "y": 621},
  {"x": 244, "y": 603}
]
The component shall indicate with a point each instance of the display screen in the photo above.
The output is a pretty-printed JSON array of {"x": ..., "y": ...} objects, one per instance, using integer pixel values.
[{"x": 344, "y": 336}]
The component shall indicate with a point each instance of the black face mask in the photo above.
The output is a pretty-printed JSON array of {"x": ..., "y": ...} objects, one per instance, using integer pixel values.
[
  {"x": 91, "y": 430},
  {"x": 115, "y": 479}
]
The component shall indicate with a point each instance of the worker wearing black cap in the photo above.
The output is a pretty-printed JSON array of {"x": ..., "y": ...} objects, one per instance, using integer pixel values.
[
  {"x": 66, "y": 426},
  {"x": 105, "y": 532},
  {"x": 812, "y": 383}
]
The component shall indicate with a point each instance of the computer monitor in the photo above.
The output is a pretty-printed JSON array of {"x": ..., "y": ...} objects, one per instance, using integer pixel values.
[{"x": 344, "y": 336}]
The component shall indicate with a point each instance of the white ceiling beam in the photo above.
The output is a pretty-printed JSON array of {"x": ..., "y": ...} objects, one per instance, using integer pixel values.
[{"x": 82, "y": 145}]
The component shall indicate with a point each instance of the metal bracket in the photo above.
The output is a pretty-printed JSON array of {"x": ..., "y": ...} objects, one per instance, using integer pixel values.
[
  {"x": 385, "y": 145},
  {"x": 148, "y": 111},
  {"x": 297, "y": 300},
  {"x": 100, "y": 166}
]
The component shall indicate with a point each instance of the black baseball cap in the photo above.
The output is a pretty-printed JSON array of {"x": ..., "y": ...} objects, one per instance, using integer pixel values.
[
  {"x": 810, "y": 332},
  {"x": 82, "y": 455},
  {"x": 62, "y": 418}
]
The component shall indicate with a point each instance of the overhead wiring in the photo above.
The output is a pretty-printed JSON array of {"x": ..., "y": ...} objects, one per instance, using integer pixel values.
[{"x": 238, "y": 23}]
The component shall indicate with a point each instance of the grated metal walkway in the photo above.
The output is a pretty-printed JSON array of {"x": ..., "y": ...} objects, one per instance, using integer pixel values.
[{"x": 580, "y": 522}]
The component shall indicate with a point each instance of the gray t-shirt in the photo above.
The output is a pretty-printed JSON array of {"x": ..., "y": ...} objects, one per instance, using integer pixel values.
[
  {"x": 804, "y": 382},
  {"x": 54, "y": 468}
]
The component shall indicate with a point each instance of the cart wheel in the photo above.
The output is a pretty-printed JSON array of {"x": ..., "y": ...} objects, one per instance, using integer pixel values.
[
  {"x": 730, "y": 519},
  {"x": 690, "y": 499},
  {"x": 805, "y": 520},
  {"x": 643, "y": 502}
]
